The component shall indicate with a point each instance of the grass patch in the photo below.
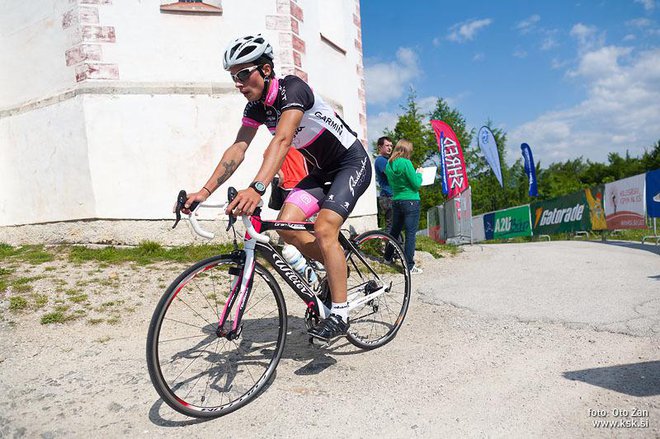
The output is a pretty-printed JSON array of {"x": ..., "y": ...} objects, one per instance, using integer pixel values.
[
  {"x": 104, "y": 339},
  {"x": 21, "y": 288},
  {"x": 32, "y": 254},
  {"x": 95, "y": 321},
  {"x": 437, "y": 250},
  {"x": 146, "y": 253},
  {"x": 40, "y": 300},
  {"x": 17, "y": 303},
  {"x": 78, "y": 298},
  {"x": 54, "y": 317}
]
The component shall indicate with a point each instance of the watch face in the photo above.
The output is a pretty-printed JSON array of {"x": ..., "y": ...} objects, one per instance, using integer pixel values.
[{"x": 259, "y": 186}]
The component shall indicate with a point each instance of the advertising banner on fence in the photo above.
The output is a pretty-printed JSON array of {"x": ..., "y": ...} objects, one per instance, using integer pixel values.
[
  {"x": 653, "y": 193},
  {"x": 594, "y": 198},
  {"x": 453, "y": 171},
  {"x": 569, "y": 213},
  {"x": 508, "y": 223},
  {"x": 624, "y": 203},
  {"x": 488, "y": 147},
  {"x": 530, "y": 169}
]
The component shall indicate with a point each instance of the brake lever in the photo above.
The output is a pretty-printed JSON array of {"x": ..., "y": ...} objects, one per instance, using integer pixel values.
[
  {"x": 231, "y": 194},
  {"x": 180, "y": 204}
]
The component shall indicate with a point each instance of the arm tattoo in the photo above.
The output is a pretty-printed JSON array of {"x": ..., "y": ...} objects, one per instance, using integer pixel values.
[{"x": 230, "y": 167}]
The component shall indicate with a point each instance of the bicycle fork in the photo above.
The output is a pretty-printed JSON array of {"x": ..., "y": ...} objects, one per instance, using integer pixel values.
[{"x": 240, "y": 288}]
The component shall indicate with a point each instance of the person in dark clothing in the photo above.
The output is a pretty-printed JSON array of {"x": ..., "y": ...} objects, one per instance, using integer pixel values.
[{"x": 385, "y": 196}]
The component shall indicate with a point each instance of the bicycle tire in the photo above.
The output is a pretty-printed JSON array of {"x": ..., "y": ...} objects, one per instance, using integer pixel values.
[
  {"x": 377, "y": 322},
  {"x": 261, "y": 341}
]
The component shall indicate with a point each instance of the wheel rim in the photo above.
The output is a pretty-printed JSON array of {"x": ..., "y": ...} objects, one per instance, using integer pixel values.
[
  {"x": 377, "y": 321},
  {"x": 201, "y": 371}
]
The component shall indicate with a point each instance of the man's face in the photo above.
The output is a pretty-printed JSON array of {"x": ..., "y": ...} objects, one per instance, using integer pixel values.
[
  {"x": 248, "y": 81},
  {"x": 386, "y": 149}
]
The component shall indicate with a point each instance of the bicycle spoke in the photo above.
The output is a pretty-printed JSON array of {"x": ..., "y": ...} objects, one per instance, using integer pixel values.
[{"x": 198, "y": 372}]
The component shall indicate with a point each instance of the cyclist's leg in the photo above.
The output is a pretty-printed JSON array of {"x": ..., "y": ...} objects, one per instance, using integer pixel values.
[
  {"x": 326, "y": 230},
  {"x": 302, "y": 203},
  {"x": 348, "y": 184},
  {"x": 304, "y": 241}
]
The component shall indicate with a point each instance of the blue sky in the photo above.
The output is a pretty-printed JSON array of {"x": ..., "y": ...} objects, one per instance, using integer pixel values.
[{"x": 571, "y": 78}]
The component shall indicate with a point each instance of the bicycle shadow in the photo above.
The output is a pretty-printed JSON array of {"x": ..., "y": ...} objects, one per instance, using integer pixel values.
[
  {"x": 222, "y": 371},
  {"x": 637, "y": 379}
]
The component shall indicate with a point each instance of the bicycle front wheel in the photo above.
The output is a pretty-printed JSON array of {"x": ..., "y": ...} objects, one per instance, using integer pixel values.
[
  {"x": 375, "y": 322},
  {"x": 194, "y": 366}
]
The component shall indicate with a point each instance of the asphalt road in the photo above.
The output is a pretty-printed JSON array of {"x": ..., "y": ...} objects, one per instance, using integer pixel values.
[{"x": 516, "y": 340}]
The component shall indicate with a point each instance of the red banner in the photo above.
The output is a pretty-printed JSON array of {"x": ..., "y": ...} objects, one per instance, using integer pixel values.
[{"x": 454, "y": 173}]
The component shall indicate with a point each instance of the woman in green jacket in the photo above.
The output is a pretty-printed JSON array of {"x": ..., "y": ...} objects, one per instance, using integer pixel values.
[{"x": 405, "y": 183}]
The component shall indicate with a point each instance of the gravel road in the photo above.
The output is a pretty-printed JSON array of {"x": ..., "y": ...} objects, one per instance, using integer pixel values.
[{"x": 511, "y": 340}]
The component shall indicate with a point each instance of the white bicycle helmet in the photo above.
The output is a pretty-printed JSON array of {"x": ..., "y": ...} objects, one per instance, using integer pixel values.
[{"x": 246, "y": 49}]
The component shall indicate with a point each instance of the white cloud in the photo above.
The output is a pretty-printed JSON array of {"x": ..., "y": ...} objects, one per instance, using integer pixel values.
[
  {"x": 558, "y": 63},
  {"x": 548, "y": 43},
  {"x": 478, "y": 57},
  {"x": 649, "y": 5},
  {"x": 528, "y": 24},
  {"x": 427, "y": 104},
  {"x": 378, "y": 123},
  {"x": 467, "y": 30},
  {"x": 639, "y": 22},
  {"x": 629, "y": 37},
  {"x": 436, "y": 42},
  {"x": 387, "y": 81},
  {"x": 520, "y": 53},
  {"x": 587, "y": 37},
  {"x": 620, "y": 112},
  {"x": 387, "y": 120}
]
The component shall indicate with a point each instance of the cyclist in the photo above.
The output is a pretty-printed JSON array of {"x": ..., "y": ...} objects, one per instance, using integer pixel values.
[{"x": 298, "y": 117}]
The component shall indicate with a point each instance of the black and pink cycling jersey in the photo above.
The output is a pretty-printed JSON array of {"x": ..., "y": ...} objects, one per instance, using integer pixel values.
[{"x": 322, "y": 136}]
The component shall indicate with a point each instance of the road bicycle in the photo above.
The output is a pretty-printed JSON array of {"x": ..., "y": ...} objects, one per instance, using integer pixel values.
[{"x": 218, "y": 332}]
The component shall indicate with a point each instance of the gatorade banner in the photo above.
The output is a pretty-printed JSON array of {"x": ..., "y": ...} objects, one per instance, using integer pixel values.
[
  {"x": 594, "y": 198},
  {"x": 624, "y": 203},
  {"x": 453, "y": 171},
  {"x": 530, "y": 169},
  {"x": 653, "y": 193},
  {"x": 488, "y": 147},
  {"x": 569, "y": 213},
  {"x": 508, "y": 223}
]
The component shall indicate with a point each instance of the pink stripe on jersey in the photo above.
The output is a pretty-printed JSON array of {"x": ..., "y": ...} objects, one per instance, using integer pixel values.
[
  {"x": 250, "y": 122},
  {"x": 272, "y": 91}
]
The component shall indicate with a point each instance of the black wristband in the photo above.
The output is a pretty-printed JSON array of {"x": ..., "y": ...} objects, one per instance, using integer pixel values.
[{"x": 207, "y": 190}]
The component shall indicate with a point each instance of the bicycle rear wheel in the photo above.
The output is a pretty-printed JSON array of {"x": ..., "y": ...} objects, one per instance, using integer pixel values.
[
  {"x": 376, "y": 322},
  {"x": 195, "y": 369}
]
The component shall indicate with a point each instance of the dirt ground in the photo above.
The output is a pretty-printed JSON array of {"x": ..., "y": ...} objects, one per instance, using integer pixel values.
[{"x": 515, "y": 340}]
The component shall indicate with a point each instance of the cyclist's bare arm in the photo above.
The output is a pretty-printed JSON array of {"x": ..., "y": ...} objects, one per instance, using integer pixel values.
[
  {"x": 230, "y": 161},
  {"x": 246, "y": 200}
]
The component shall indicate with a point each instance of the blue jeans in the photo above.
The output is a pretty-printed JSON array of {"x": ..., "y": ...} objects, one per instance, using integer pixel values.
[{"x": 405, "y": 216}]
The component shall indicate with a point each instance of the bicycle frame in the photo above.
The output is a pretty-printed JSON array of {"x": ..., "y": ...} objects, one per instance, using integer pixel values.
[{"x": 256, "y": 243}]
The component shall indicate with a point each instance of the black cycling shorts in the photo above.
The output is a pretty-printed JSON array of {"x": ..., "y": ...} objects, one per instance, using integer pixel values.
[{"x": 338, "y": 189}]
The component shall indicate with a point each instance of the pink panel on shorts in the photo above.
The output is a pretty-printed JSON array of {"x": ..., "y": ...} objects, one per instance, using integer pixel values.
[{"x": 306, "y": 202}]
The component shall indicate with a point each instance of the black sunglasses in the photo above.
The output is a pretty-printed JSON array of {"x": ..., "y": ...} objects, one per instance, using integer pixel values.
[{"x": 244, "y": 74}]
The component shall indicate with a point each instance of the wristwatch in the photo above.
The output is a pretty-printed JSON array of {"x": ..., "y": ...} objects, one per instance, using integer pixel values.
[{"x": 259, "y": 187}]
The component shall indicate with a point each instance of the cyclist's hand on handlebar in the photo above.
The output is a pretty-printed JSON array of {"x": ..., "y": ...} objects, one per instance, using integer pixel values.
[
  {"x": 245, "y": 202},
  {"x": 199, "y": 197}
]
